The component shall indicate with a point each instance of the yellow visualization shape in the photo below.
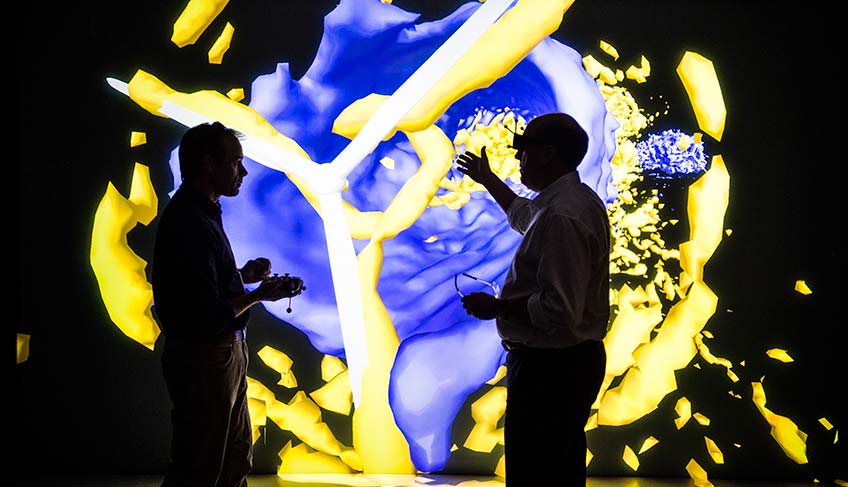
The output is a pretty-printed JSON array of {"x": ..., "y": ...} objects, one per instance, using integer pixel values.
[
  {"x": 23, "y": 348},
  {"x": 236, "y": 94},
  {"x": 589, "y": 457},
  {"x": 683, "y": 408},
  {"x": 630, "y": 458},
  {"x": 304, "y": 460},
  {"x": 302, "y": 417},
  {"x": 119, "y": 271},
  {"x": 779, "y": 354},
  {"x": 221, "y": 45},
  {"x": 258, "y": 417},
  {"x": 376, "y": 436},
  {"x": 648, "y": 444},
  {"x": 194, "y": 19},
  {"x": 137, "y": 139},
  {"x": 279, "y": 362},
  {"x": 609, "y": 49},
  {"x": 330, "y": 367},
  {"x": 698, "y": 474},
  {"x": 598, "y": 70},
  {"x": 504, "y": 44},
  {"x": 630, "y": 329},
  {"x": 591, "y": 423},
  {"x": 701, "y": 83},
  {"x": 500, "y": 374},
  {"x": 714, "y": 451},
  {"x": 149, "y": 93},
  {"x": 705, "y": 353},
  {"x": 827, "y": 425},
  {"x": 496, "y": 137},
  {"x": 639, "y": 74},
  {"x": 500, "y": 468},
  {"x": 701, "y": 419},
  {"x": 785, "y": 432},
  {"x": 486, "y": 412},
  {"x": 708, "y": 198},
  {"x": 335, "y": 395},
  {"x": 732, "y": 375},
  {"x": 802, "y": 287},
  {"x": 652, "y": 377}
]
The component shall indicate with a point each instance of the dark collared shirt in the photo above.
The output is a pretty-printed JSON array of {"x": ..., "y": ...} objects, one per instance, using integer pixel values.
[{"x": 194, "y": 271}]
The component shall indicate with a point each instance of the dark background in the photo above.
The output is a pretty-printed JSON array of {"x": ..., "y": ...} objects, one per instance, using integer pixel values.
[{"x": 91, "y": 400}]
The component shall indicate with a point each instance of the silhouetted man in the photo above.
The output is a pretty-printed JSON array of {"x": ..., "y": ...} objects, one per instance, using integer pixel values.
[
  {"x": 554, "y": 309},
  {"x": 203, "y": 308}
]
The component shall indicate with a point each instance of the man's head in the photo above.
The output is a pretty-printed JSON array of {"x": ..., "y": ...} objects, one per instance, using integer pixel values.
[
  {"x": 552, "y": 145},
  {"x": 211, "y": 159}
]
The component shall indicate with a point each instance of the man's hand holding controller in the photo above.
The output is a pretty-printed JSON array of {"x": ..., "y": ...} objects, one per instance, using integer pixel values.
[{"x": 277, "y": 287}]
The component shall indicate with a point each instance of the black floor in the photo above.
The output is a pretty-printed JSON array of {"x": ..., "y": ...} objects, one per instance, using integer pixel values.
[{"x": 404, "y": 481}]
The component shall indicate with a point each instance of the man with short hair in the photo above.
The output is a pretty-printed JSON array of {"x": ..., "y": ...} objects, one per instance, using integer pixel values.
[
  {"x": 553, "y": 311},
  {"x": 203, "y": 309}
]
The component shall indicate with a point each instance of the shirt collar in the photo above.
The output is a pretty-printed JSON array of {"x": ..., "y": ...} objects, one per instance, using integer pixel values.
[
  {"x": 200, "y": 200},
  {"x": 560, "y": 185}
]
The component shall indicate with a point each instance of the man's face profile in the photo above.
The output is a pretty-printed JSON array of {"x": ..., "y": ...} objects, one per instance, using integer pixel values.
[{"x": 228, "y": 170}]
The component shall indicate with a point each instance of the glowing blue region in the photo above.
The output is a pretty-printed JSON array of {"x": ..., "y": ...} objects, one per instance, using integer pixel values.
[
  {"x": 662, "y": 156},
  {"x": 444, "y": 355}
]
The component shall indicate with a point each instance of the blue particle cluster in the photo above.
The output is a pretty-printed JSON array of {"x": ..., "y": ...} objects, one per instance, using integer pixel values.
[{"x": 661, "y": 155}]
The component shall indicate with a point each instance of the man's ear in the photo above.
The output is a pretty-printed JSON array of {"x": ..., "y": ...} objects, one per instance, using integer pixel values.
[
  {"x": 549, "y": 154},
  {"x": 208, "y": 162}
]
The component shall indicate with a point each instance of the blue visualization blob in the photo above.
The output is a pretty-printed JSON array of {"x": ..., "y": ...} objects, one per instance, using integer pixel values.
[
  {"x": 671, "y": 154},
  {"x": 373, "y": 47}
]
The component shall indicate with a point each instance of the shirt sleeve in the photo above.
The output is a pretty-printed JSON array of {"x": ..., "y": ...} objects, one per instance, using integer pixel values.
[
  {"x": 520, "y": 214},
  {"x": 562, "y": 275}
]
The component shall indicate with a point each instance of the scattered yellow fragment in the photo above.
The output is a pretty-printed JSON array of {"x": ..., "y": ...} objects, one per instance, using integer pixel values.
[
  {"x": 487, "y": 411},
  {"x": 236, "y": 94},
  {"x": 137, "y": 139},
  {"x": 609, "y": 49},
  {"x": 630, "y": 458},
  {"x": 698, "y": 474},
  {"x": 779, "y": 354},
  {"x": 683, "y": 408},
  {"x": 221, "y": 45},
  {"x": 597, "y": 70},
  {"x": 23, "y": 348},
  {"x": 701, "y": 83},
  {"x": 194, "y": 19},
  {"x": 714, "y": 451},
  {"x": 640, "y": 74},
  {"x": 790, "y": 439},
  {"x": 701, "y": 419},
  {"x": 648, "y": 444},
  {"x": 827, "y": 425},
  {"x": 335, "y": 395},
  {"x": 802, "y": 287},
  {"x": 330, "y": 367},
  {"x": 279, "y": 362}
]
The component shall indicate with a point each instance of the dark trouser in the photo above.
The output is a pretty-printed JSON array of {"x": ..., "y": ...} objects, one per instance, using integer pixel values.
[
  {"x": 549, "y": 399},
  {"x": 212, "y": 442}
]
